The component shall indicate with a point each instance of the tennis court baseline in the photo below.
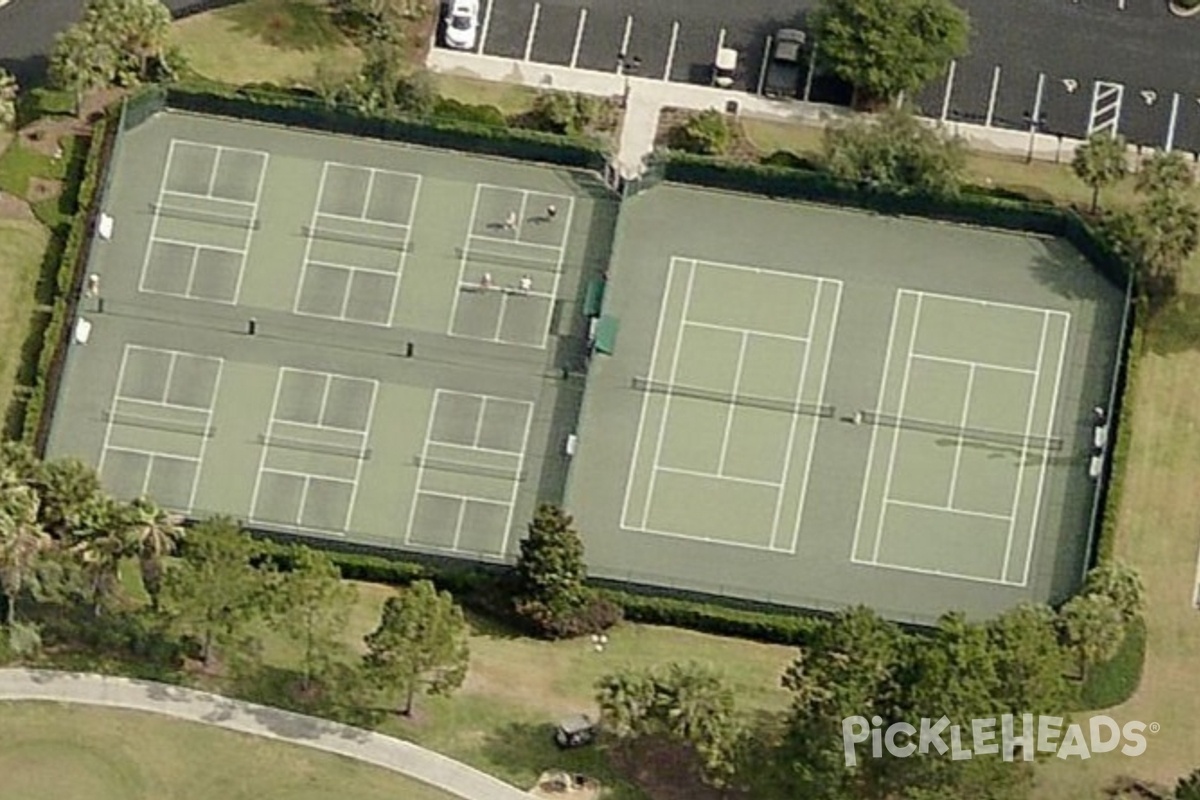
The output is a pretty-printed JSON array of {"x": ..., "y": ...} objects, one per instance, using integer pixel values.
[
  {"x": 469, "y": 471},
  {"x": 159, "y": 423},
  {"x": 963, "y": 438},
  {"x": 731, "y": 405},
  {"x": 203, "y": 222}
]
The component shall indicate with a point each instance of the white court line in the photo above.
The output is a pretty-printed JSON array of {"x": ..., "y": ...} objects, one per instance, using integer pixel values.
[
  {"x": 170, "y": 372},
  {"x": 1016, "y": 503},
  {"x": 362, "y": 456},
  {"x": 704, "y": 539},
  {"x": 1037, "y": 502},
  {"x": 752, "y": 331},
  {"x": 973, "y": 364},
  {"x": 537, "y": 10},
  {"x": 262, "y": 175},
  {"x": 948, "y": 509},
  {"x": 791, "y": 440},
  {"x": 368, "y": 220},
  {"x": 516, "y": 484},
  {"x": 887, "y": 484},
  {"x": 583, "y": 12},
  {"x": 296, "y": 474},
  {"x": 475, "y": 448},
  {"x": 934, "y": 572},
  {"x": 558, "y": 269},
  {"x": 479, "y": 423},
  {"x": 758, "y": 270},
  {"x": 350, "y": 268},
  {"x": 500, "y": 240},
  {"x": 637, "y": 439},
  {"x": 194, "y": 195},
  {"x": 150, "y": 454},
  {"x": 212, "y": 172},
  {"x": 158, "y": 404},
  {"x": 472, "y": 498},
  {"x": 475, "y": 287},
  {"x": 400, "y": 267},
  {"x": 155, "y": 216},
  {"x": 366, "y": 203},
  {"x": 196, "y": 246},
  {"x": 666, "y": 414},
  {"x": 191, "y": 281},
  {"x": 308, "y": 242},
  {"x": 883, "y": 383},
  {"x": 462, "y": 513},
  {"x": 412, "y": 511},
  {"x": 812, "y": 434},
  {"x": 212, "y": 409},
  {"x": 112, "y": 409},
  {"x": 324, "y": 398},
  {"x": 958, "y": 446},
  {"x": 737, "y": 383},
  {"x": 974, "y": 301},
  {"x": 671, "y": 51},
  {"x": 694, "y": 473},
  {"x": 262, "y": 456},
  {"x": 462, "y": 261}
]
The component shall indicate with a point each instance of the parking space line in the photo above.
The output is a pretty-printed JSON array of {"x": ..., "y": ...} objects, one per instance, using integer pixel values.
[
  {"x": 812, "y": 68},
  {"x": 487, "y": 21},
  {"x": 1170, "y": 143},
  {"x": 578, "y": 36},
  {"x": 625, "y": 44},
  {"x": 537, "y": 10},
  {"x": 762, "y": 71},
  {"x": 949, "y": 90},
  {"x": 1105, "y": 113},
  {"x": 991, "y": 111},
  {"x": 671, "y": 51}
]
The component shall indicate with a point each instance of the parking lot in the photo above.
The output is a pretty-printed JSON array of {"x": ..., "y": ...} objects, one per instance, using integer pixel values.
[{"x": 1077, "y": 65}]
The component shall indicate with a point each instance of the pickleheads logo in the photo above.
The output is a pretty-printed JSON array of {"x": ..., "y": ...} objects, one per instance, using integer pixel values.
[{"x": 989, "y": 736}]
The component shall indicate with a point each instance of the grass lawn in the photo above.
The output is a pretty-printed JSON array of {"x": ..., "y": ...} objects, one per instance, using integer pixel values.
[
  {"x": 510, "y": 98},
  {"x": 82, "y": 753},
  {"x": 21, "y": 246},
  {"x": 269, "y": 41},
  {"x": 502, "y": 719}
]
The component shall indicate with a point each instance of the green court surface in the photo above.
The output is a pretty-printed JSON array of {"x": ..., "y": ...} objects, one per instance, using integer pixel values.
[
  {"x": 820, "y": 407},
  {"x": 332, "y": 336}
]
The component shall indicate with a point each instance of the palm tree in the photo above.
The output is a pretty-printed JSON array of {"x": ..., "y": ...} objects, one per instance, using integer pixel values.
[
  {"x": 100, "y": 551},
  {"x": 154, "y": 533},
  {"x": 1099, "y": 162},
  {"x": 73, "y": 502},
  {"x": 22, "y": 543}
]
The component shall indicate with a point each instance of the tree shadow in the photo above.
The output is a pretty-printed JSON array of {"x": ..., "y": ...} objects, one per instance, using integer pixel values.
[{"x": 1173, "y": 325}]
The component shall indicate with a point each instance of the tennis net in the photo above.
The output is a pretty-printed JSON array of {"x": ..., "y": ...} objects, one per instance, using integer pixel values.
[
  {"x": 215, "y": 217},
  {"x": 155, "y": 423},
  {"x": 382, "y": 242},
  {"x": 308, "y": 445},
  {"x": 958, "y": 432},
  {"x": 464, "y": 468},
  {"x": 484, "y": 257},
  {"x": 768, "y": 403}
]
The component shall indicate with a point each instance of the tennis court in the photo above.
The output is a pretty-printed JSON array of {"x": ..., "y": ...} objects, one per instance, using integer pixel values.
[
  {"x": 301, "y": 347},
  {"x": 819, "y": 407}
]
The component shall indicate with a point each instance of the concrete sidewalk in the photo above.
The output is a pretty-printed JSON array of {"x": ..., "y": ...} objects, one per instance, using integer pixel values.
[
  {"x": 646, "y": 98},
  {"x": 272, "y": 723}
]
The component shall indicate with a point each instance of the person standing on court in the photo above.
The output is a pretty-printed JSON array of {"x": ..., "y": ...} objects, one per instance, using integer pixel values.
[
  {"x": 510, "y": 222},
  {"x": 551, "y": 212}
]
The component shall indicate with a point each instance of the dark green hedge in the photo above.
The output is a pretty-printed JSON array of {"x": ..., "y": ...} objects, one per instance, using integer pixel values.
[
  {"x": 296, "y": 109},
  {"x": 71, "y": 265},
  {"x": 776, "y": 627},
  {"x": 1115, "y": 681},
  {"x": 1106, "y": 539}
]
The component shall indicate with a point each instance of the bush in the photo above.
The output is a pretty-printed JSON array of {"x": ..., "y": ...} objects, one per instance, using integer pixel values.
[
  {"x": 776, "y": 627},
  {"x": 896, "y": 151},
  {"x": 707, "y": 134},
  {"x": 1115, "y": 681},
  {"x": 788, "y": 160},
  {"x": 449, "y": 109}
]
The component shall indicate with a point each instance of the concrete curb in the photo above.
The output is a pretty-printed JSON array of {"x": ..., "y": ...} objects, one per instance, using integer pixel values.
[{"x": 181, "y": 703}]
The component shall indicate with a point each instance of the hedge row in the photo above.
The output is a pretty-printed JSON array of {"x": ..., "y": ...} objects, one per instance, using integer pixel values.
[
  {"x": 1106, "y": 540},
  {"x": 296, "y": 109},
  {"x": 71, "y": 264}
]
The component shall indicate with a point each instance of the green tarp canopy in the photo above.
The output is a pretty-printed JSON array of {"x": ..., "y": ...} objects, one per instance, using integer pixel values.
[
  {"x": 593, "y": 299},
  {"x": 606, "y": 335}
]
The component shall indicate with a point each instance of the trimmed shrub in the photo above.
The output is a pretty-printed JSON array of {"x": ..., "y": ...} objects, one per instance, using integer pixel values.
[
  {"x": 706, "y": 134},
  {"x": 1115, "y": 681},
  {"x": 449, "y": 109},
  {"x": 776, "y": 627}
]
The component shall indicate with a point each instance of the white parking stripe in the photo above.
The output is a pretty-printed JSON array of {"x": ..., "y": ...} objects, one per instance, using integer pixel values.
[
  {"x": 624, "y": 51},
  {"x": 537, "y": 10},
  {"x": 992, "y": 98},
  {"x": 762, "y": 71},
  {"x": 671, "y": 51},
  {"x": 812, "y": 68},
  {"x": 487, "y": 21},
  {"x": 1171, "y": 125},
  {"x": 578, "y": 37}
]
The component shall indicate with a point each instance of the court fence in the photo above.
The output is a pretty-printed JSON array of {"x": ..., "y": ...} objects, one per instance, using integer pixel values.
[
  {"x": 88, "y": 195},
  {"x": 294, "y": 108}
]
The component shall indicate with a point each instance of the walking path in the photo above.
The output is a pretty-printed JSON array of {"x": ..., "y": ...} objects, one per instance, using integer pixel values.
[
  {"x": 646, "y": 98},
  {"x": 272, "y": 723}
]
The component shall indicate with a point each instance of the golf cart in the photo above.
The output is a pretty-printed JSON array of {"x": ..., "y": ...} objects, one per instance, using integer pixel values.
[
  {"x": 725, "y": 67},
  {"x": 575, "y": 731}
]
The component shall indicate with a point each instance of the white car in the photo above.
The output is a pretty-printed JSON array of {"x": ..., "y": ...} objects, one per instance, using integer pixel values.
[{"x": 462, "y": 24}]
